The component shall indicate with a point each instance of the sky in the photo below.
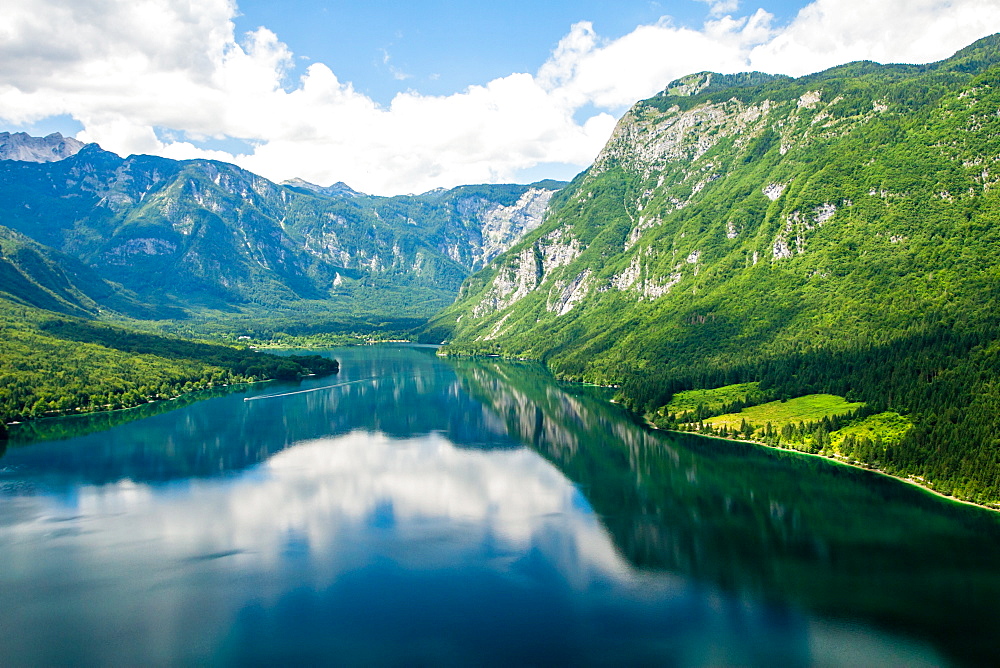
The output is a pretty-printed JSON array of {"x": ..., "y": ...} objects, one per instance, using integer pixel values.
[{"x": 403, "y": 97}]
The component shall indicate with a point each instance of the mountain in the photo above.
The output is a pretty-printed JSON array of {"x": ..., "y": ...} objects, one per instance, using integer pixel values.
[
  {"x": 200, "y": 236},
  {"x": 339, "y": 189},
  {"x": 24, "y": 147},
  {"x": 36, "y": 275},
  {"x": 838, "y": 232}
]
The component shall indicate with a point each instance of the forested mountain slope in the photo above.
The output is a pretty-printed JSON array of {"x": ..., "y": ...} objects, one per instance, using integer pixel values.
[
  {"x": 198, "y": 235},
  {"x": 838, "y": 232},
  {"x": 39, "y": 276},
  {"x": 52, "y": 365}
]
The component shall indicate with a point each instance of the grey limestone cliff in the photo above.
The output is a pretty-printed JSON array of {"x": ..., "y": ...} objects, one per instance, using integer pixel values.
[{"x": 51, "y": 148}]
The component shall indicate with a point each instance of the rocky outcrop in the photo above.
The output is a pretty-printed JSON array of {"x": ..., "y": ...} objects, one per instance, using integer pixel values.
[
  {"x": 502, "y": 225},
  {"x": 646, "y": 141},
  {"x": 513, "y": 281},
  {"x": 567, "y": 294},
  {"x": 25, "y": 148},
  {"x": 338, "y": 189}
]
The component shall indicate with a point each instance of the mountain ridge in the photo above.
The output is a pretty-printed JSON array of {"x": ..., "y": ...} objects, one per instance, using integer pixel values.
[
  {"x": 23, "y": 147},
  {"x": 338, "y": 189},
  {"x": 195, "y": 235}
]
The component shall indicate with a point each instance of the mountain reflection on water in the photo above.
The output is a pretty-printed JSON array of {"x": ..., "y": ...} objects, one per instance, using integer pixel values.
[{"x": 469, "y": 511}]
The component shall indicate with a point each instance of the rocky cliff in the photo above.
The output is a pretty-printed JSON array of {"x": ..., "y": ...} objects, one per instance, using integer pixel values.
[{"x": 24, "y": 147}]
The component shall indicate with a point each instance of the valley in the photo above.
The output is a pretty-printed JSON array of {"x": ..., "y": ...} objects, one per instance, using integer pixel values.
[
  {"x": 544, "y": 334},
  {"x": 163, "y": 251}
]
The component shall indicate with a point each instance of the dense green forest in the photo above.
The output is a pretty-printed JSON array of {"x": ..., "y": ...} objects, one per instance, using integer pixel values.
[
  {"x": 56, "y": 365},
  {"x": 837, "y": 233}
]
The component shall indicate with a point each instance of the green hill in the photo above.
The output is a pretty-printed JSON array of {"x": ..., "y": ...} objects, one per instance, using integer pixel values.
[
  {"x": 837, "y": 233},
  {"x": 37, "y": 275},
  {"x": 52, "y": 365}
]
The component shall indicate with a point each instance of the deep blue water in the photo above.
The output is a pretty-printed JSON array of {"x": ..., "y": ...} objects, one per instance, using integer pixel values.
[{"x": 442, "y": 512}]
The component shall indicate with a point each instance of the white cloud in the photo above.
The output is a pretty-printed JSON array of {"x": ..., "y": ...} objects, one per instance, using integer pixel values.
[
  {"x": 129, "y": 70},
  {"x": 721, "y": 7},
  {"x": 618, "y": 73},
  {"x": 831, "y": 32}
]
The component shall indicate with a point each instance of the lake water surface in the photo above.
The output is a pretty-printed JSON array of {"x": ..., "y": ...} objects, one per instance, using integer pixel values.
[{"x": 467, "y": 512}]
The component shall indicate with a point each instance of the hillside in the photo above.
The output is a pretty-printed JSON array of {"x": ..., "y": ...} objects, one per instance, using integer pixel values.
[
  {"x": 836, "y": 233},
  {"x": 203, "y": 238},
  {"x": 40, "y": 276},
  {"x": 53, "y": 365}
]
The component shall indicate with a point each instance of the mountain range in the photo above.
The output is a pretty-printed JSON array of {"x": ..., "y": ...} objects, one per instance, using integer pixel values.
[
  {"x": 86, "y": 231},
  {"x": 22, "y": 146}
]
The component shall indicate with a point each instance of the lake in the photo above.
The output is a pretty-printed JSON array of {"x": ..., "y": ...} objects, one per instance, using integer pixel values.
[{"x": 414, "y": 510}]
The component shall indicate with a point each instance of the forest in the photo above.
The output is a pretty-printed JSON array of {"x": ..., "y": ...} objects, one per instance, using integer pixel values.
[{"x": 53, "y": 365}]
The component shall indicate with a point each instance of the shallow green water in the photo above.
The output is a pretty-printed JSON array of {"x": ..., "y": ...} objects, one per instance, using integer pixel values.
[{"x": 467, "y": 512}]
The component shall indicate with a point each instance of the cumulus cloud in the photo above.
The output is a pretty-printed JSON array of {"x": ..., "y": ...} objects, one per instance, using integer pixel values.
[
  {"x": 615, "y": 74},
  {"x": 831, "y": 32},
  {"x": 163, "y": 76}
]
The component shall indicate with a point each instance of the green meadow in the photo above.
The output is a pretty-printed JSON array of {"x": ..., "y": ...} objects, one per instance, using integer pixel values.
[
  {"x": 810, "y": 408},
  {"x": 712, "y": 400},
  {"x": 889, "y": 427}
]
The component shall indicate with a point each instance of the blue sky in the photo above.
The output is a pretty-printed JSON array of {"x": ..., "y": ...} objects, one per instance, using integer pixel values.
[
  {"x": 442, "y": 47},
  {"x": 397, "y": 97}
]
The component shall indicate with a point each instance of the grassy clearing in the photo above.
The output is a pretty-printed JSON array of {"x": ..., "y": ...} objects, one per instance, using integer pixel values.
[
  {"x": 713, "y": 400},
  {"x": 889, "y": 427},
  {"x": 810, "y": 408}
]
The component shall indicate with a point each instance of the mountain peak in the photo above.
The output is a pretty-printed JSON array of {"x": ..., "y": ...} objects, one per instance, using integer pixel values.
[
  {"x": 338, "y": 189},
  {"x": 51, "y": 148},
  {"x": 708, "y": 82}
]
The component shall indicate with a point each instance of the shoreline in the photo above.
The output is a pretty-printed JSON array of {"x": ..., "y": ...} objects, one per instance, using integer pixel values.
[
  {"x": 911, "y": 481},
  {"x": 107, "y": 409},
  {"x": 353, "y": 342},
  {"x": 836, "y": 460},
  {"x": 73, "y": 413}
]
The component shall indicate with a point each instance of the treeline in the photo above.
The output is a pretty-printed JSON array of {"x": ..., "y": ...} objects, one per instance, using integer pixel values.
[
  {"x": 240, "y": 361},
  {"x": 319, "y": 325}
]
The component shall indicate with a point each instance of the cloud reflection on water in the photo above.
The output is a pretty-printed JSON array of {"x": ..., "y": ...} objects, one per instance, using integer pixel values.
[{"x": 307, "y": 516}]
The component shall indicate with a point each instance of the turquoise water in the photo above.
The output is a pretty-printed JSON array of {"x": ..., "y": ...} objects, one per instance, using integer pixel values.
[{"x": 467, "y": 512}]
